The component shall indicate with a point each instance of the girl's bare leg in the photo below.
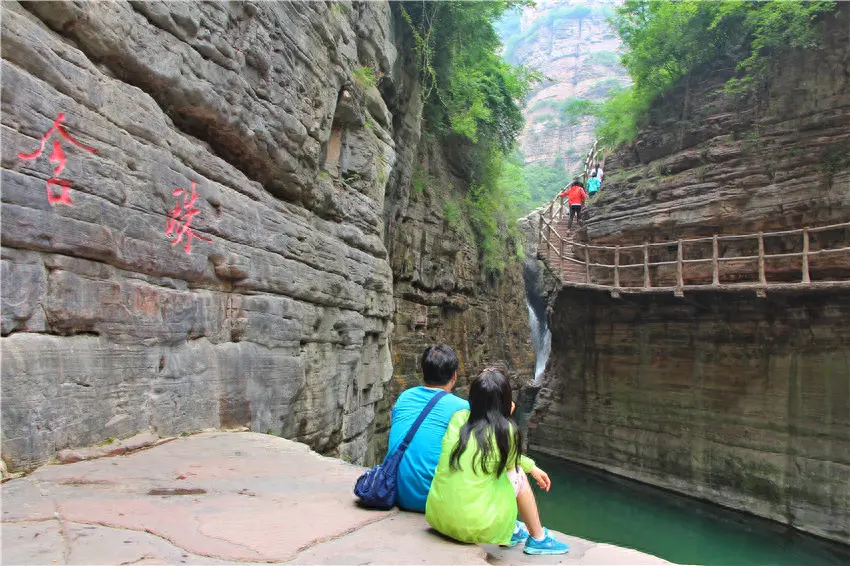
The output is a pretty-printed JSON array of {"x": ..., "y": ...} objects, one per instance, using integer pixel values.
[{"x": 528, "y": 510}]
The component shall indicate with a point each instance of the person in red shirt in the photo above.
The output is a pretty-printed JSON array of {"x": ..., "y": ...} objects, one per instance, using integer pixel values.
[{"x": 576, "y": 195}]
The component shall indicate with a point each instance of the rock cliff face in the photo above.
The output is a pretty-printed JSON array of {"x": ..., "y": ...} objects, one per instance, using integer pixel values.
[
  {"x": 440, "y": 292},
  {"x": 727, "y": 397},
  {"x": 255, "y": 127},
  {"x": 574, "y": 47}
]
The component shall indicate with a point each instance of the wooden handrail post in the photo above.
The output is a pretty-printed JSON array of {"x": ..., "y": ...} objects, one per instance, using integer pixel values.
[
  {"x": 561, "y": 255},
  {"x": 715, "y": 262},
  {"x": 540, "y": 236},
  {"x": 617, "y": 266},
  {"x": 586, "y": 264},
  {"x": 806, "y": 278},
  {"x": 646, "y": 283},
  {"x": 561, "y": 213},
  {"x": 680, "y": 280},
  {"x": 762, "y": 276}
]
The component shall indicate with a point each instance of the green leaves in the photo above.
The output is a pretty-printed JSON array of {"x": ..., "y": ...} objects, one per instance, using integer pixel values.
[
  {"x": 667, "y": 41},
  {"x": 471, "y": 93},
  {"x": 469, "y": 90}
]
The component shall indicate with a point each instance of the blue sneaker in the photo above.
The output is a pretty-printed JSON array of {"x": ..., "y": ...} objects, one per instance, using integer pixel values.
[
  {"x": 546, "y": 546},
  {"x": 520, "y": 536}
]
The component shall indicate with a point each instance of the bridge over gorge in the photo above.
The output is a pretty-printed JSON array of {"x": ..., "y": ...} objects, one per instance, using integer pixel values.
[{"x": 816, "y": 257}]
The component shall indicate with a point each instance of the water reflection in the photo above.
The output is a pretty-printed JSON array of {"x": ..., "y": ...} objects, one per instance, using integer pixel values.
[{"x": 604, "y": 508}]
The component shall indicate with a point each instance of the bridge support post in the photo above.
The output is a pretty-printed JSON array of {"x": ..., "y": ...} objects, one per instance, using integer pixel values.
[
  {"x": 561, "y": 256},
  {"x": 540, "y": 237},
  {"x": 646, "y": 282},
  {"x": 715, "y": 262},
  {"x": 806, "y": 278},
  {"x": 616, "y": 267},
  {"x": 680, "y": 281}
]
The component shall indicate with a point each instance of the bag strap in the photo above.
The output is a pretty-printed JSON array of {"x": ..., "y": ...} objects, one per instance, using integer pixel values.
[{"x": 409, "y": 436}]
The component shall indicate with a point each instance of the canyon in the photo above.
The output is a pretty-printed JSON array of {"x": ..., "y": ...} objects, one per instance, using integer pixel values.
[
  {"x": 577, "y": 51},
  {"x": 228, "y": 215},
  {"x": 237, "y": 232},
  {"x": 739, "y": 400}
]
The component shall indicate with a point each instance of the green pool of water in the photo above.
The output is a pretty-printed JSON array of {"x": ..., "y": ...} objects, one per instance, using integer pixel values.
[{"x": 604, "y": 508}]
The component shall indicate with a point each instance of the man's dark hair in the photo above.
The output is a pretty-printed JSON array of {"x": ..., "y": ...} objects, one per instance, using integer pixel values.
[
  {"x": 439, "y": 364},
  {"x": 593, "y": 174}
]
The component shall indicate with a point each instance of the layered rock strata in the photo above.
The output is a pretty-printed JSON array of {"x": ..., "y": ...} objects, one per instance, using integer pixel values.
[
  {"x": 741, "y": 401},
  {"x": 280, "y": 315},
  {"x": 573, "y": 45},
  {"x": 441, "y": 292},
  {"x": 738, "y": 400},
  {"x": 283, "y": 135}
]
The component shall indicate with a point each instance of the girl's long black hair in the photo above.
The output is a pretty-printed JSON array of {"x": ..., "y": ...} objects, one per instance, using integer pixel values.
[{"x": 489, "y": 417}]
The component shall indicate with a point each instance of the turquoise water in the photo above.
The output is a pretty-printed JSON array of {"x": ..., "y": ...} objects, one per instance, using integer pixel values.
[{"x": 604, "y": 508}]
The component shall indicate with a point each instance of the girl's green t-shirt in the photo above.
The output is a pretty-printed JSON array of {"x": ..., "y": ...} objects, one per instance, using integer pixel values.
[{"x": 468, "y": 505}]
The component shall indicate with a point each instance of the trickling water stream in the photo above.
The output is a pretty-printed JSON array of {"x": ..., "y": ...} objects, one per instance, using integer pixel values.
[{"x": 541, "y": 339}]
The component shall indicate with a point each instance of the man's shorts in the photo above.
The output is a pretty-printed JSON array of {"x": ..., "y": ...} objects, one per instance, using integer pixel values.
[{"x": 518, "y": 480}]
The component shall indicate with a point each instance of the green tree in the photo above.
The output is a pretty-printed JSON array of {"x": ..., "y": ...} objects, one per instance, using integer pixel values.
[
  {"x": 473, "y": 97},
  {"x": 666, "y": 43}
]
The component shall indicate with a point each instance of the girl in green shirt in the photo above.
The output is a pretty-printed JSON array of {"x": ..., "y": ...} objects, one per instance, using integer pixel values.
[{"x": 480, "y": 480}]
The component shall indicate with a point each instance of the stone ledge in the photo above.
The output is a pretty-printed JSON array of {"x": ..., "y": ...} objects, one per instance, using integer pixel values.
[{"x": 217, "y": 498}]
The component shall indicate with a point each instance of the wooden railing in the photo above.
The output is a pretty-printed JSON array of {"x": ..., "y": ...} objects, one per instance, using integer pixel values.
[
  {"x": 593, "y": 156},
  {"x": 586, "y": 265}
]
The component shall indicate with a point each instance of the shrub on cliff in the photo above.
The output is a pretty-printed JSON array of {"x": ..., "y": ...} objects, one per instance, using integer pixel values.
[
  {"x": 472, "y": 98},
  {"x": 668, "y": 42}
]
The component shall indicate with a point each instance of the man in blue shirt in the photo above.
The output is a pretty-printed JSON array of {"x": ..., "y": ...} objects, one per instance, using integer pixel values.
[{"x": 416, "y": 470}]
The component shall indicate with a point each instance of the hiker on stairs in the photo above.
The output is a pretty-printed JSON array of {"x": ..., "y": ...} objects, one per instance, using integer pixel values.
[
  {"x": 593, "y": 184},
  {"x": 576, "y": 195}
]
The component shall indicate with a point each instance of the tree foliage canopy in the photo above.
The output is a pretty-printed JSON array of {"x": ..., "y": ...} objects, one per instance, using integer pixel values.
[
  {"x": 668, "y": 41},
  {"x": 471, "y": 92}
]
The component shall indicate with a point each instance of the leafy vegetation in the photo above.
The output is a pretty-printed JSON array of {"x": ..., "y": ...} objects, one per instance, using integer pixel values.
[
  {"x": 473, "y": 97},
  {"x": 834, "y": 158},
  {"x": 667, "y": 42},
  {"x": 420, "y": 179},
  {"x": 365, "y": 77},
  {"x": 542, "y": 183},
  {"x": 451, "y": 213}
]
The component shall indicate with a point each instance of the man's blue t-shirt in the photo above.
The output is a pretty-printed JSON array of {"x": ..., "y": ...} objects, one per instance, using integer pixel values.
[
  {"x": 416, "y": 469},
  {"x": 593, "y": 185}
]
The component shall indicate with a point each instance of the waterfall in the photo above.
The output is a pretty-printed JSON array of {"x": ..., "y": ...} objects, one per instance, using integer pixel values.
[{"x": 541, "y": 338}]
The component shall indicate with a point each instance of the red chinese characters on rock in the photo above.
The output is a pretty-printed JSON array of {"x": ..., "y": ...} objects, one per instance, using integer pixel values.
[
  {"x": 57, "y": 157},
  {"x": 180, "y": 218}
]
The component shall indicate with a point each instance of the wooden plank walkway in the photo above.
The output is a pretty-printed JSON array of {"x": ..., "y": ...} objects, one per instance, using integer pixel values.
[{"x": 717, "y": 263}]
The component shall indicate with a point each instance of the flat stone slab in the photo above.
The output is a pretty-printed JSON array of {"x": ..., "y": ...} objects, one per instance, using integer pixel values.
[{"x": 223, "y": 497}]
